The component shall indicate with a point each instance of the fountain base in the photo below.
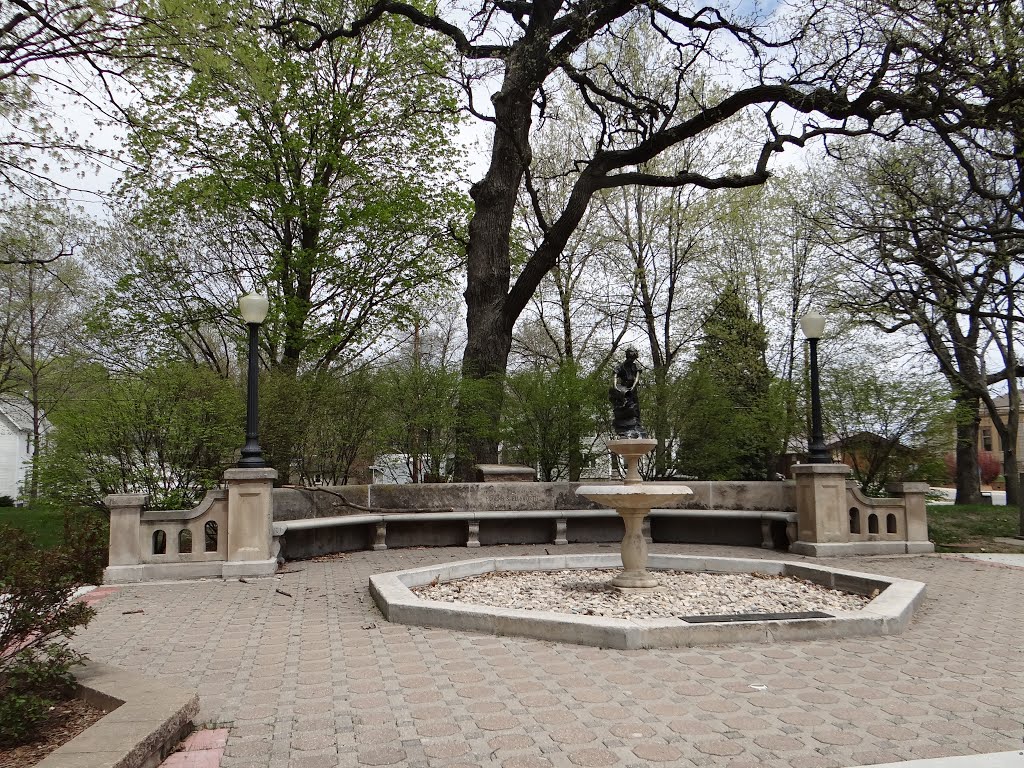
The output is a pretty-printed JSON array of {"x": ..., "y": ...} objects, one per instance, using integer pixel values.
[
  {"x": 887, "y": 614},
  {"x": 633, "y": 500}
]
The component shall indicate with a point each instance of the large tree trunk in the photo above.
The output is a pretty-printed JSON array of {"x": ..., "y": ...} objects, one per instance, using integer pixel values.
[
  {"x": 488, "y": 268},
  {"x": 968, "y": 483},
  {"x": 1007, "y": 432}
]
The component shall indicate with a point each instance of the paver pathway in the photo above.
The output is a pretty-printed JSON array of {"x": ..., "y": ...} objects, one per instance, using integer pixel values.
[{"x": 305, "y": 673}]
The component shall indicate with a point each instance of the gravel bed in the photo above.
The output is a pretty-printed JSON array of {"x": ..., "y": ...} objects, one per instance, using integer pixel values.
[{"x": 682, "y": 593}]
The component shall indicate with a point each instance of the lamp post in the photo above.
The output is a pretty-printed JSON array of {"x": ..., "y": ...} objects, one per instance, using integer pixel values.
[
  {"x": 254, "y": 308},
  {"x": 813, "y": 325}
]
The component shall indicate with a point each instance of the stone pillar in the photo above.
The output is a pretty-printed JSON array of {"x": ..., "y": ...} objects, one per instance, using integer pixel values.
[
  {"x": 821, "y": 508},
  {"x": 380, "y": 541},
  {"x": 250, "y": 522},
  {"x": 472, "y": 533},
  {"x": 561, "y": 525},
  {"x": 916, "y": 521},
  {"x": 125, "y": 515}
]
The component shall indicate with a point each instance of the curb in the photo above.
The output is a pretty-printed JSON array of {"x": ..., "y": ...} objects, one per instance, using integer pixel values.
[
  {"x": 145, "y": 720},
  {"x": 888, "y": 613}
]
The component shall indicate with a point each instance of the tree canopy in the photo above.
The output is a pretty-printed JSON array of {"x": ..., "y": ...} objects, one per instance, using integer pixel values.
[{"x": 841, "y": 68}]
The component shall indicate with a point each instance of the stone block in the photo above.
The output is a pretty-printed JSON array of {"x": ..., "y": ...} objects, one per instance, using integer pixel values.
[
  {"x": 250, "y": 513},
  {"x": 821, "y": 502},
  {"x": 603, "y": 560},
  {"x": 125, "y": 545},
  {"x": 459, "y": 496},
  {"x": 504, "y": 473},
  {"x": 122, "y": 574},
  {"x": 753, "y": 495}
]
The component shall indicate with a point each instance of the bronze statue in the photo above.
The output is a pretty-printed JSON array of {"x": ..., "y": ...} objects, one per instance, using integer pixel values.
[{"x": 623, "y": 395}]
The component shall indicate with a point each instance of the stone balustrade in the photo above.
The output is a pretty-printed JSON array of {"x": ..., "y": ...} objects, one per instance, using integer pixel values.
[
  {"x": 835, "y": 518},
  {"x": 228, "y": 534},
  {"x": 240, "y": 530}
]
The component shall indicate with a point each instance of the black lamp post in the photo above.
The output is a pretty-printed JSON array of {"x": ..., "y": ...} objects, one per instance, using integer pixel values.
[
  {"x": 254, "y": 308},
  {"x": 813, "y": 325}
]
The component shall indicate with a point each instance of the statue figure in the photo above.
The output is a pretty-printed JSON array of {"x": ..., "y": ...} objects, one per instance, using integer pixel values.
[{"x": 623, "y": 395}]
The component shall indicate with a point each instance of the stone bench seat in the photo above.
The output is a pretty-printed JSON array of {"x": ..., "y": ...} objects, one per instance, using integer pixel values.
[{"x": 559, "y": 516}]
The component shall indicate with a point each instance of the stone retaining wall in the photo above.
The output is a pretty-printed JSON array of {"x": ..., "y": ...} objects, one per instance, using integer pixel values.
[{"x": 301, "y": 504}]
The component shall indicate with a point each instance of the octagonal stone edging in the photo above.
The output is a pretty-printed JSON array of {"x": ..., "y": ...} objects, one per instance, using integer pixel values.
[{"x": 887, "y": 614}]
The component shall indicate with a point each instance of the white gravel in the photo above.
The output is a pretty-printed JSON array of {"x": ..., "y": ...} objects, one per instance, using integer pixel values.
[{"x": 586, "y": 592}]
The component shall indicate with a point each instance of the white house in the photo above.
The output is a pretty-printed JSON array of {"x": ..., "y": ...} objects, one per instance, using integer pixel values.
[{"x": 15, "y": 444}]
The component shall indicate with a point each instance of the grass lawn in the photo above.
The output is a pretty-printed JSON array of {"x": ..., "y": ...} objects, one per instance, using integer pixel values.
[
  {"x": 968, "y": 527},
  {"x": 46, "y": 526}
]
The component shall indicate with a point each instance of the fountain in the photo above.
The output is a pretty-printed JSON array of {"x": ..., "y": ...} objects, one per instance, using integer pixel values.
[
  {"x": 633, "y": 499},
  {"x": 889, "y": 611}
]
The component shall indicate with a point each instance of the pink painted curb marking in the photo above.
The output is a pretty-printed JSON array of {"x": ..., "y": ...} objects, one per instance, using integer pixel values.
[
  {"x": 95, "y": 595},
  {"x": 203, "y": 749}
]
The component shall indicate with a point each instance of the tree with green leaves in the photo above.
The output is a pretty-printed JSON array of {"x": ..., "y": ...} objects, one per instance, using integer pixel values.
[
  {"x": 891, "y": 427},
  {"x": 553, "y": 419},
  {"x": 51, "y": 50},
  {"x": 930, "y": 255},
  {"x": 338, "y": 420},
  {"x": 729, "y": 407},
  {"x": 318, "y": 176},
  {"x": 168, "y": 431},
  {"x": 837, "y": 66},
  {"x": 44, "y": 287},
  {"x": 420, "y": 391}
]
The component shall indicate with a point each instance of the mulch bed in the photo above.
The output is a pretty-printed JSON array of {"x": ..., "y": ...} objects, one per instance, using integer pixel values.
[{"x": 65, "y": 721}]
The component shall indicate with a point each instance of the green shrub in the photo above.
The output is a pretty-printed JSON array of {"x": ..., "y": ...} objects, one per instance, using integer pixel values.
[
  {"x": 33, "y": 681},
  {"x": 37, "y": 617},
  {"x": 86, "y": 540},
  {"x": 6, "y": 501}
]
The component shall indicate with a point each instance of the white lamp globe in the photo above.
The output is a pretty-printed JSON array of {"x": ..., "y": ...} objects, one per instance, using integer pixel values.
[
  {"x": 813, "y": 325},
  {"x": 254, "y": 307}
]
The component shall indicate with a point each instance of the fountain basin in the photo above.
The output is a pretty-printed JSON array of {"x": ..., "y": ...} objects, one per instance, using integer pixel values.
[
  {"x": 888, "y": 613},
  {"x": 644, "y": 496}
]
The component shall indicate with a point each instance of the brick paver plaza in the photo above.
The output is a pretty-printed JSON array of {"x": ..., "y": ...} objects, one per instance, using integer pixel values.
[{"x": 315, "y": 678}]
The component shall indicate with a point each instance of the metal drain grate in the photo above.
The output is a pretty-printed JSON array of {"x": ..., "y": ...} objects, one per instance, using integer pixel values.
[{"x": 724, "y": 617}]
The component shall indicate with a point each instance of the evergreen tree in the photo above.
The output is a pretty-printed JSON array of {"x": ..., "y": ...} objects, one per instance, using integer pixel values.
[{"x": 726, "y": 414}]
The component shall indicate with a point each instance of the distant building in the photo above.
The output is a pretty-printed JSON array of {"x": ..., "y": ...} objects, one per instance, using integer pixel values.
[
  {"x": 15, "y": 444},
  {"x": 988, "y": 436}
]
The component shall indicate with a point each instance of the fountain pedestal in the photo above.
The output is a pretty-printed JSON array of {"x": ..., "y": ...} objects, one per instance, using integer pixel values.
[{"x": 633, "y": 499}]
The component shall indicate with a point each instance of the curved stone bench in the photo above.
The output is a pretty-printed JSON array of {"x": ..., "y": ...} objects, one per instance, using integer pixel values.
[{"x": 560, "y": 517}]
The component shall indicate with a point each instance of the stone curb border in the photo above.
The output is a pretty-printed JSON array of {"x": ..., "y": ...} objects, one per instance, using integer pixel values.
[
  {"x": 990, "y": 760},
  {"x": 145, "y": 720},
  {"x": 888, "y": 613}
]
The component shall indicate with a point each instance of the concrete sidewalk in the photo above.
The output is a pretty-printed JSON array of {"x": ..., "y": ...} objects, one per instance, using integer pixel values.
[{"x": 305, "y": 673}]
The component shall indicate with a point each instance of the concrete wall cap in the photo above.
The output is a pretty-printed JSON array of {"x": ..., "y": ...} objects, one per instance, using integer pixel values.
[
  {"x": 242, "y": 473},
  {"x": 907, "y": 487},
  {"x": 821, "y": 469},
  {"x": 126, "y": 500}
]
